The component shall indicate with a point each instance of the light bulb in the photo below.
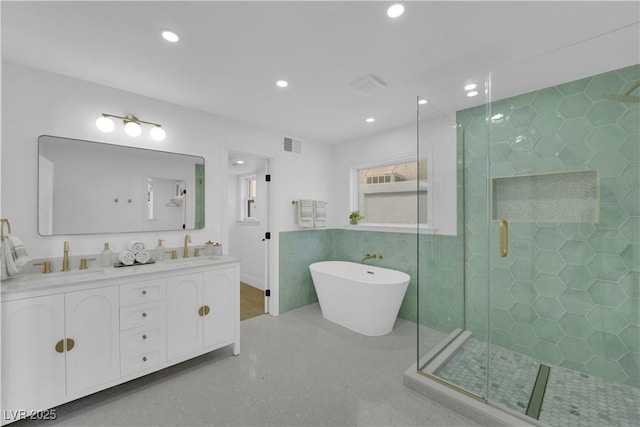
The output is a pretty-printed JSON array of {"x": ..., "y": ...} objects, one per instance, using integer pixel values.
[
  {"x": 132, "y": 129},
  {"x": 395, "y": 10},
  {"x": 157, "y": 133},
  {"x": 105, "y": 124}
]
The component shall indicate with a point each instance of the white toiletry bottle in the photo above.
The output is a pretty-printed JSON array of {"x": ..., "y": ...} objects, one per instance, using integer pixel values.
[
  {"x": 159, "y": 255},
  {"x": 105, "y": 256}
]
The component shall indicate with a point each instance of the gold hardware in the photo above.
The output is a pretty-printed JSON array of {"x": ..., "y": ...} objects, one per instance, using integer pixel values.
[
  {"x": 207, "y": 310},
  {"x": 196, "y": 252},
  {"x": 144, "y": 358},
  {"x": 83, "y": 263},
  {"x": 46, "y": 266},
  {"x": 144, "y": 292},
  {"x": 504, "y": 238},
  {"x": 201, "y": 311},
  {"x": 185, "y": 251},
  {"x": 144, "y": 314},
  {"x": 70, "y": 344},
  {"x": 129, "y": 201},
  {"x": 144, "y": 337},
  {"x": 65, "y": 257},
  {"x": 174, "y": 254},
  {"x": 4, "y": 221},
  {"x": 369, "y": 256},
  {"x": 115, "y": 200},
  {"x": 60, "y": 346}
]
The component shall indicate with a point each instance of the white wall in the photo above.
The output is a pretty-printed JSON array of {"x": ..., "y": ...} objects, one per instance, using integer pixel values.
[
  {"x": 437, "y": 140},
  {"x": 37, "y": 102}
]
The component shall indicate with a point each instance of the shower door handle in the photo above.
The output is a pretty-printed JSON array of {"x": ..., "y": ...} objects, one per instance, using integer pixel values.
[{"x": 504, "y": 238}]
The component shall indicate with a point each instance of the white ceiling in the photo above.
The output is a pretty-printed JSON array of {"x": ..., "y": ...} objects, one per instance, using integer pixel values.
[{"x": 231, "y": 53}]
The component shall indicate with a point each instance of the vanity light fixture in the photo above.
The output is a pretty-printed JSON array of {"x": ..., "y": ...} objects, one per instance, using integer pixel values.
[{"x": 131, "y": 126}]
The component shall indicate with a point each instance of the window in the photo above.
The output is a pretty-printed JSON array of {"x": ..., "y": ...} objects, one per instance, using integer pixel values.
[
  {"x": 390, "y": 193},
  {"x": 249, "y": 198}
]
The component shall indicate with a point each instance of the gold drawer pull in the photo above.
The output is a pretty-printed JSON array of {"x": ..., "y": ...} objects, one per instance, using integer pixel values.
[
  {"x": 144, "y": 358},
  {"x": 144, "y": 314},
  {"x": 144, "y": 292},
  {"x": 144, "y": 337},
  {"x": 201, "y": 311},
  {"x": 504, "y": 238},
  {"x": 70, "y": 344},
  {"x": 207, "y": 310},
  {"x": 60, "y": 346}
]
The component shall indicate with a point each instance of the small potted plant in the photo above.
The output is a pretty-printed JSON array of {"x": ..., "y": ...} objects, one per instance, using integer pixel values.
[{"x": 355, "y": 217}]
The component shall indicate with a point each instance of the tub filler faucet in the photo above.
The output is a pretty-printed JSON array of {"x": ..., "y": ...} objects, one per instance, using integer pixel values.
[{"x": 370, "y": 256}]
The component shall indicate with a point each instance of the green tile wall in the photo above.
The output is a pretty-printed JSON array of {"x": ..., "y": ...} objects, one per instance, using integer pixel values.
[{"x": 567, "y": 293}]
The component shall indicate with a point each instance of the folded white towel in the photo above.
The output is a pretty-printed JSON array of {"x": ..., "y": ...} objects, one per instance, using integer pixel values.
[
  {"x": 143, "y": 257},
  {"x": 126, "y": 257},
  {"x": 20, "y": 255},
  {"x": 8, "y": 261},
  {"x": 305, "y": 213},
  {"x": 135, "y": 246},
  {"x": 319, "y": 213}
]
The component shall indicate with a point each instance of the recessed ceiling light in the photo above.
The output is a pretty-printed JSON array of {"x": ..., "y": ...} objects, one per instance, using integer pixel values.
[
  {"x": 395, "y": 10},
  {"x": 170, "y": 36},
  {"x": 470, "y": 86},
  {"x": 422, "y": 101},
  {"x": 472, "y": 93},
  {"x": 370, "y": 120},
  {"x": 282, "y": 83}
]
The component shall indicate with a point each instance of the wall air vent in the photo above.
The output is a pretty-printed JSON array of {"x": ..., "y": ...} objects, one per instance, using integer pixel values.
[{"x": 291, "y": 145}]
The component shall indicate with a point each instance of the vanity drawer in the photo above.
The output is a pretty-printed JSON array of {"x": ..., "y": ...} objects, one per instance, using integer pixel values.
[
  {"x": 140, "y": 292},
  {"x": 142, "y": 314},
  {"x": 143, "y": 347}
]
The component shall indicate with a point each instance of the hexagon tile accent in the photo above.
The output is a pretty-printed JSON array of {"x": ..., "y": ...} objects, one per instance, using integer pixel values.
[{"x": 568, "y": 292}]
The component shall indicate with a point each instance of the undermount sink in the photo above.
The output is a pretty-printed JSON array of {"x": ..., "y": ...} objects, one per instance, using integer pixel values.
[
  {"x": 60, "y": 276},
  {"x": 191, "y": 260}
]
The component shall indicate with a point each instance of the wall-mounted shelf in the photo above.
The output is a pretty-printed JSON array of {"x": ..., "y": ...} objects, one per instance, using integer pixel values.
[{"x": 551, "y": 197}]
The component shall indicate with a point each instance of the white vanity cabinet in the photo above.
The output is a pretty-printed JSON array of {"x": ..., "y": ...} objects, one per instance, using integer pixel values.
[
  {"x": 57, "y": 345},
  {"x": 201, "y": 312},
  {"x": 64, "y": 341}
]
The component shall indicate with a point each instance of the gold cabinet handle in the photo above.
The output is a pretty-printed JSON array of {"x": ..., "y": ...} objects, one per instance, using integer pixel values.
[
  {"x": 207, "y": 310},
  {"x": 70, "y": 344},
  {"x": 504, "y": 238},
  {"x": 144, "y": 292},
  {"x": 201, "y": 311},
  {"x": 144, "y": 337},
  {"x": 60, "y": 346},
  {"x": 144, "y": 314},
  {"x": 144, "y": 358}
]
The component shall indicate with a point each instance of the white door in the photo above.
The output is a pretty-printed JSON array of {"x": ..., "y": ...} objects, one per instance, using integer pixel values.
[
  {"x": 92, "y": 338},
  {"x": 219, "y": 288},
  {"x": 33, "y": 372},
  {"x": 184, "y": 323}
]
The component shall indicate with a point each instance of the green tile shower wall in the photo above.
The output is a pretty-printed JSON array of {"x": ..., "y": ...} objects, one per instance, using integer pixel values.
[{"x": 567, "y": 293}]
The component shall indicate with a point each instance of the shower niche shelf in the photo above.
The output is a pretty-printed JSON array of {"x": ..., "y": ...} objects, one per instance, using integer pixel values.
[{"x": 572, "y": 196}]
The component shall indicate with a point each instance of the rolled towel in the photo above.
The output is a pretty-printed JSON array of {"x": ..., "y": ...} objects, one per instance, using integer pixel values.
[
  {"x": 135, "y": 246},
  {"x": 126, "y": 257},
  {"x": 143, "y": 257}
]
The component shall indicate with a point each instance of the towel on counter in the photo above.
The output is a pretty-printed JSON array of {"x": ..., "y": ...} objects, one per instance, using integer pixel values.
[
  {"x": 319, "y": 213},
  {"x": 8, "y": 265},
  {"x": 127, "y": 257},
  {"x": 135, "y": 246},
  {"x": 20, "y": 255},
  {"x": 142, "y": 257},
  {"x": 305, "y": 213}
]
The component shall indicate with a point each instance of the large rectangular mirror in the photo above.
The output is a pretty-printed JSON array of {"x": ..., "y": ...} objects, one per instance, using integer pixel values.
[{"x": 89, "y": 187}]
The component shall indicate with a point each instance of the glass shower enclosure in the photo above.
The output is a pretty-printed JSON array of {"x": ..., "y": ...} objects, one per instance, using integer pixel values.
[{"x": 532, "y": 305}]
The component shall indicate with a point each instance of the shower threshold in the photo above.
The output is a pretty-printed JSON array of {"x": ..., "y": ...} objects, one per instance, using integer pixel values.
[{"x": 521, "y": 389}]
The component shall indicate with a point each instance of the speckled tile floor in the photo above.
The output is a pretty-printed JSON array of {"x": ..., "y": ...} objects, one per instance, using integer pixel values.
[{"x": 297, "y": 369}]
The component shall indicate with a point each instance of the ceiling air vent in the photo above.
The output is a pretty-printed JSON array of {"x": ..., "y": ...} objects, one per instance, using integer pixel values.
[
  {"x": 291, "y": 145},
  {"x": 368, "y": 85}
]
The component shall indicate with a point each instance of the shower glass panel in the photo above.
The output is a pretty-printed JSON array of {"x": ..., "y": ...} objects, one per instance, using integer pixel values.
[
  {"x": 452, "y": 286},
  {"x": 534, "y": 303}
]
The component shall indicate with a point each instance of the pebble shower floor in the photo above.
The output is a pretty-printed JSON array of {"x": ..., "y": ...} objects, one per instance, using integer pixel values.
[{"x": 571, "y": 399}]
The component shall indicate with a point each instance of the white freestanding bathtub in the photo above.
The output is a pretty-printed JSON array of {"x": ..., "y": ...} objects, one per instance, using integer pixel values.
[{"x": 363, "y": 298}]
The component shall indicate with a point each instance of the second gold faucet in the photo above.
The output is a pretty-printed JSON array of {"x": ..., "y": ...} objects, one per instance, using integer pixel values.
[
  {"x": 187, "y": 240},
  {"x": 65, "y": 257}
]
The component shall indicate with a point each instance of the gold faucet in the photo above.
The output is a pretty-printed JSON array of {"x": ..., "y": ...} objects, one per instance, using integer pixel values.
[
  {"x": 65, "y": 258},
  {"x": 185, "y": 252},
  {"x": 369, "y": 256}
]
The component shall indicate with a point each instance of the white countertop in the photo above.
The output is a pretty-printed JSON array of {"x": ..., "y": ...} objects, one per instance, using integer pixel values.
[{"x": 38, "y": 284}]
